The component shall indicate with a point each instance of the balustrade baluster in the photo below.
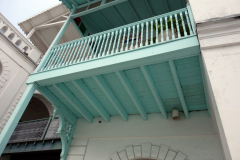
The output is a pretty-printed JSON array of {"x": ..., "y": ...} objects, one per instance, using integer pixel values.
[
  {"x": 86, "y": 50},
  {"x": 151, "y": 32},
  {"x": 146, "y": 43},
  {"x": 55, "y": 59},
  {"x": 101, "y": 49},
  {"x": 67, "y": 55},
  {"x": 179, "y": 35},
  {"x": 188, "y": 22},
  {"x": 133, "y": 36},
  {"x": 94, "y": 52},
  {"x": 136, "y": 46},
  {"x": 156, "y": 22},
  {"x": 52, "y": 59},
  {"x": 58, "y": 57},
  {"x": 162, "y": 39},
  {"x": 71, "y": 54},
  {"x": 61, "y": 56},
  {"x": 114, "y": 44},
  {"x": 119, "y": 41},
  {"x": 128, "y": 38},
  {"x": 172, "y": 28},
  {"x": 99, "y": 43},
  {"x": 84, "y": 47},
  {"x": 76, "y": 49},
  {"x": 166, "y": 24},
  {"x": 79, "y": 51},
  {"x": 90, "y": 49},
  {"x": 109, "y": 48},
  {"x": 142, "y": 26},
  {"x": 183, "y": 24},
  {"x": 106, "y": 44},
  {"x": 123, "y": 39},
  {"x": 47, "y": 61}
]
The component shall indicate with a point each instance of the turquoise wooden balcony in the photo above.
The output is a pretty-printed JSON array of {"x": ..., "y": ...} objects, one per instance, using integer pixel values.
[
  {"x": 145, "y": 67},
  {"x": 149, "y": 66}
]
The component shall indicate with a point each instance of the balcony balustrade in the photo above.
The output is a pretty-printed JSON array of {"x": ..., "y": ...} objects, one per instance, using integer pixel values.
[
  {"x": 41, "y": 129},
  {"x": 146, "y": 33}
]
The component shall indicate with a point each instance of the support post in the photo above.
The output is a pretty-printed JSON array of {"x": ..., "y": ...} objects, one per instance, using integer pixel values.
[
  {"x": 16, "y": 115},
  {"x": 55, "y": 41},
  {"x": 191, "y": 18},
  {"x": 76, "y": 27}
]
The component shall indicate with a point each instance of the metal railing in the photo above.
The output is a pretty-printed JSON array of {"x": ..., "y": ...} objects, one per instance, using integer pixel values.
[
  {"x": 35, "y": 130},
  {"x": 156, "y": 30}
]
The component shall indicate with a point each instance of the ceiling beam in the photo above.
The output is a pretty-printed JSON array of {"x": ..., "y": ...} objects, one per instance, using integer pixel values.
[
  {"x": 96, "y": 8},
  {"x": 133, "y": 10},
  {"x": 149, "y": 8},
  {"x": 64, "y": 91},
  {"x": 53, "y": 19},
  {"x": 92, "y": 99},
  {"x": 118, "y": 15},
  {"x": 55, "y": 101},
  {"x": 113, "y": 99},
  {"x": 30, "y": 33},
  {"x": 50, "y": 25},
  {"x": 166, "y": 5},
  {"x": 125, "y": 82},
  {"x": 106, "y": 21},
  {"x": 154, "y": 90},
  {"x": 179, "y": 88}
]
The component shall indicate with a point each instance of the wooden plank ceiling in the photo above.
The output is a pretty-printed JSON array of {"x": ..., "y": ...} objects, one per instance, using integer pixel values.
[
  {"x": 188, "y": 72},
  {"x": 128, "y": 12}
]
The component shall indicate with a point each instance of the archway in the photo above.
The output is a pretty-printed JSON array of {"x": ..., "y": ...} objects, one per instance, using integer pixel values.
[
  {"x": 148, "y": 151},
  {"x": 11, "y": 36},
  {"x": 4, "y": 29},
  {"x": 38, "y": 108}
]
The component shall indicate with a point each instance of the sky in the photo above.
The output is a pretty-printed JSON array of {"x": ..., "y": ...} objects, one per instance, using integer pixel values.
[{"x": 18, "y": 10}]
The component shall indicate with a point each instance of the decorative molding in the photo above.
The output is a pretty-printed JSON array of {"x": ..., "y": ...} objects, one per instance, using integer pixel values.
[
  {"x": 5, "y": 71},
  {"x": 10, "y": 111},
  {"x": 65, "y": 131},
  {"x": 148, "y": 151}
]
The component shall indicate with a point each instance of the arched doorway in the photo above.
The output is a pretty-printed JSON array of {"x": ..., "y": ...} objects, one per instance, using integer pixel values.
[{"x": 38, "y": 108}]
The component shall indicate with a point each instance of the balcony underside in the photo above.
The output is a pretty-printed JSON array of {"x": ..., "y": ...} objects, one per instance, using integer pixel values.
[
  {"x": 126, "y": 12},
  {"x": 134, "y": 82}
]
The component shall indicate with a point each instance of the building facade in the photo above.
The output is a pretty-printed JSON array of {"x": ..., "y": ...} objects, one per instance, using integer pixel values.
[{"x": 152, "y": 80}]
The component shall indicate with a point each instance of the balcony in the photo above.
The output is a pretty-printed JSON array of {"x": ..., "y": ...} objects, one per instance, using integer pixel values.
[
  {"x": 36, "y": 135},
  {"x": 150, "y": 32}
]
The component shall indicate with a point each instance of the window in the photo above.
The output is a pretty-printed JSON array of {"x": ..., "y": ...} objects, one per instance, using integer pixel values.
[
  {"x": 18, "y": 42},
  {"x": 11, "y": 36},
  {"x": 25, "y": 49},
  {"x": 4, "y": 29}
]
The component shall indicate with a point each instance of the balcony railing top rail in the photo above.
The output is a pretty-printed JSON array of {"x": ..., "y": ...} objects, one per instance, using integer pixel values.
[{"x": 152, "y": 31}]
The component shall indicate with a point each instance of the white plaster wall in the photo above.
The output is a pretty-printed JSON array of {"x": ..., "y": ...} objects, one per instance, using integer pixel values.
[
  {"x": 220, "y": 46},
  {"x": 205, "y": 10},
  {"x": 195, "y": 137},
  {"x": 18, "y": 68}
]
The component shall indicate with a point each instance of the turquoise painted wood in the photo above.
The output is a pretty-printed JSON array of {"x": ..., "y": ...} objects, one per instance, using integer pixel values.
[
  {"x": 55, "y": 102},
  {"x": 179, "y": 88},
  {"x": 110, "y": 44},
  {"x": 92, "y": 99},
  {"x": 125, "y": 82},
  {"x": 74, "y": 101},
  {"x": 47, "y": 56},
  {"x": 154, "y": 91},
  {"x": 103, "y": 85},
  {"x": 16, "y": 115}
]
